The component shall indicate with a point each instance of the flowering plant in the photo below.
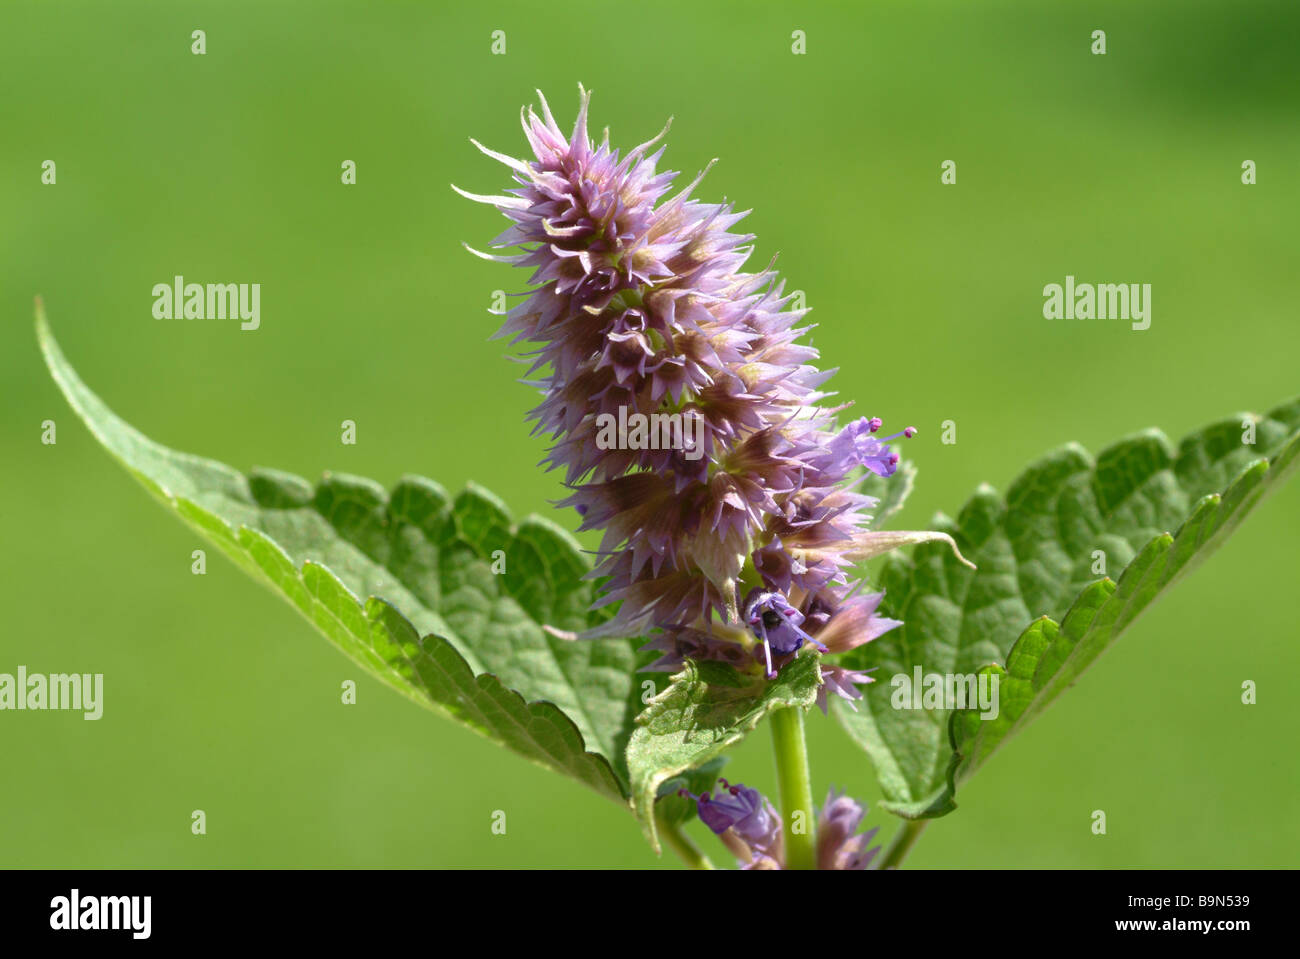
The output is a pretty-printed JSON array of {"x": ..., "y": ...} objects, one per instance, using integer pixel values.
[{"x": 736, "y": 504}]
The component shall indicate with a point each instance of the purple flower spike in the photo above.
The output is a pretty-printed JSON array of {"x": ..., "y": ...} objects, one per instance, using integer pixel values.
[{"x": 687, "y": 416}]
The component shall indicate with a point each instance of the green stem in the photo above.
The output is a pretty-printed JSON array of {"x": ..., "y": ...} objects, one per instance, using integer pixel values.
[
  {"x": 796, "y": 788},
  {"x": 681, "y": 844},
  {"x": 902, "y": 843}
]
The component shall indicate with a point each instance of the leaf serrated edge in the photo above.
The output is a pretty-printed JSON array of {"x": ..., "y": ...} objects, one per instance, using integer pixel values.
[
  {"x": 230, "y": 541},
  {"x": 1214, "y": 515},
  {"x": 331, "y": 600}
]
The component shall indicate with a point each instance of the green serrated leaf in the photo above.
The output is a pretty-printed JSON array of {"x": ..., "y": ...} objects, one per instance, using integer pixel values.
[
  {"x": 706, "y": 708},
  {"x": 1035, "y": 551},
  {"x": 376, "y": 570}
]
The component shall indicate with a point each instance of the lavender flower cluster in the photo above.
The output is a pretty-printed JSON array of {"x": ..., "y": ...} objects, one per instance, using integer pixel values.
[{"x": 641, "y": 304}]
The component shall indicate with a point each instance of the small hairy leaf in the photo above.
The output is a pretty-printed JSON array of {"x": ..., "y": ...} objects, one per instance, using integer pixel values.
[
  {"x": 402, "y": 582},
  {"x": 707, "y": 707},
  {"x": 1044, "y": 551}
]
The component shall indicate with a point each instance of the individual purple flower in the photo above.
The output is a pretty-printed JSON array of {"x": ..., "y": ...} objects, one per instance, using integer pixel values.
[
  {"x": 855, "y": 621},
  {"x": 856, "y": 445},
  {"x": 772, "y": 619},
  {"x": 843, "y": 683},
  {"x": 641, "y": 305},
  {"x": 745, "y": 821}
]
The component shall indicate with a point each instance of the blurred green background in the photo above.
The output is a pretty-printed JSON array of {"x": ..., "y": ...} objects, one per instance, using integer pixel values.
[{"x": 225, "y": 167}]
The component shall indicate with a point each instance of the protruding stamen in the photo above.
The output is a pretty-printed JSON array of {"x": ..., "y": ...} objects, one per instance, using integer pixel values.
[{"x": 906, "y": 434}]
